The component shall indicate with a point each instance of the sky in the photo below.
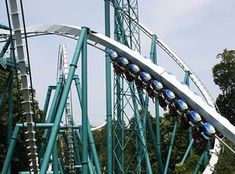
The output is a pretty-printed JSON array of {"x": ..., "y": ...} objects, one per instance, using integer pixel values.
[{"x": 196, "y": 30}]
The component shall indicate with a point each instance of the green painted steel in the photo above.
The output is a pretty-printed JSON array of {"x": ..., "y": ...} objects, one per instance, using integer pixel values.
[
  {"x": 56, "y": 101},
  {"x": 10, "y": 150},
  {"x": 62, "y": 103},
  {"x": 141, "y": 132},
  {"x": 153, "y": 57},
  {"x": 127, "y": 32},
  {"x": 190, "y": 137},
  {"x": 10, "y": 108},
  {"x": 76, "y": 150},
  {"x": 55, "y": 162},
  {"x": 2, "y": 26},
  {"x": 10, "y": 112},
  {"x": 90, "y": 135},
  {"x": 46, "y": 104},
  {"x": 170, "y": 148},
  {"x": 200, "y": 163},
  {"x": 153, "y": 51},
  {"x": 5, "y": 47},
  {"x": 119, "y": 139},
  {"x": 84, "y": 107},
  {"x": 108, "y": 92},
  {"x": 187, "y": 151},
  {"x": 51, "y": 114}
]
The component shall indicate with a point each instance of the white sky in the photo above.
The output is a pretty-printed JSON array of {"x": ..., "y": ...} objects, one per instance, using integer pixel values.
[{"x": 197, "y": 30}]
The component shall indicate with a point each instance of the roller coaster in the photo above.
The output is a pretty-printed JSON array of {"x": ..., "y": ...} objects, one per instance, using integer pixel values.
[{"x": 136, "y": 79}]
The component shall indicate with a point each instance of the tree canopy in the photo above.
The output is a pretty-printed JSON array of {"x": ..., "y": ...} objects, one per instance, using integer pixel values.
[
  {"x": 20, "y": 158},
  {"x": 224, "y": 77}
]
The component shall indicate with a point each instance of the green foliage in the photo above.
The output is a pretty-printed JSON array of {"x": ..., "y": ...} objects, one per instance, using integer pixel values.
[
  {"x": 224, "y": 77},
  {"x": 226, "y": 163},
  {"x": 20, "y": 158},
  {"x": 179, "y": 148}
]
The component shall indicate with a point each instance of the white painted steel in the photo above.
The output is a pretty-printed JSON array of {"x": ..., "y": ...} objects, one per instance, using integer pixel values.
[{"x": 195, "y": 102}]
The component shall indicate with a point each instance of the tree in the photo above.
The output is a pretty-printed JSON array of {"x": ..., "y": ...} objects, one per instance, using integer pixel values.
[
  {"x": 20, "y": 158},
  {"x": 224, "y": 77}
]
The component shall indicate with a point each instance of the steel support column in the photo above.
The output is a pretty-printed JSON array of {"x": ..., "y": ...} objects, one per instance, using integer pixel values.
[
  {"x": 10, "y": 110},
  {"x": 90, "y": 135},
  {"x": 153, "y": 57},
  {"x": 186, "y": 81},
  {"x": 10, "y": 150},
  {"x": 51, "y": 115},
  {"x": 62, "y": 103},
  {"x": 55, "y": 159},
  {"x": 84, "y": 107},
  {"x": 108, "y": 93},
  {"x": 46, "y": 104},
  {"x": 170, "y": 148},
  {"x": 141, "y": 131}
]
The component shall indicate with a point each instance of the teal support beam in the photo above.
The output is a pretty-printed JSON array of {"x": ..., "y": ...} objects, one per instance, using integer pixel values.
[
  {"x": 78, "y": 88},
  {"x": 93, "y": 149},
  {"x": 51, "y": 114},
  {"x": 186, "y": 78},
  {"x": 46, "y": 104},
  {"x": 108, "y": 93},
  {"x": 91, "y": 169},
  {"x": 4, "y": 27},
  {"x": 190, "y": 130},
  {"x": 200, "y": 163},
  {"x": 78, "y": 138},
  {"x": 84, "y": 108},
  {"x": 55, "y": 159},
  {"x": 5, "y": 47},
  {"x": 154, "y": 141},
  {"x": 118, "y": 140},
  {"x": 153, "y": 51},
  {"x": 76, "y": 151},
  {"x": 170, "y": 148},
  {"x": 62, "y": 103},
  {"x": 145, "y": 117},
  {"x": 141, "y": 132},
  {"x": 55, "y": 101},
  {"x": 158, "y": 137},
  {"x": 90, "y": 135},
  {"x": 10, "y": 111},
  {"x": 90, "y": 166},
  {"x": 10, "y": 150},
  {"x": 10, "y": 108},
  {"x": 145, "y": 108},
  {"x": 187, "y": 151},
  {"x": 153, "y": 57}
]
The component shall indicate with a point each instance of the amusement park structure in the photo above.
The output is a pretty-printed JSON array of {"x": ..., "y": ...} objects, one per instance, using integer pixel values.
[{"x": 135, "y": 79}]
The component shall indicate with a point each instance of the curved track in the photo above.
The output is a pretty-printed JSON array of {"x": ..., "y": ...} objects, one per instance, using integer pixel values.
[
  {"x": 101, "y": 41},
  {"x": 157, "y": 72}
]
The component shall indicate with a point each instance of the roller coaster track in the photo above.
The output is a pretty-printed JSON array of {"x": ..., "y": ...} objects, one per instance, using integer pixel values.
[
  {"x": 207, "y": 111},
  {"x": 62, "y": 69}
]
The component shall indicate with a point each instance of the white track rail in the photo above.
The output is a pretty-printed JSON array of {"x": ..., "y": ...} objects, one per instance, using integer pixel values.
[
  {"x": 25, "y": 86},
  {"x": 195, "y": 102},
  {"x": 63, "y": 68}
]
